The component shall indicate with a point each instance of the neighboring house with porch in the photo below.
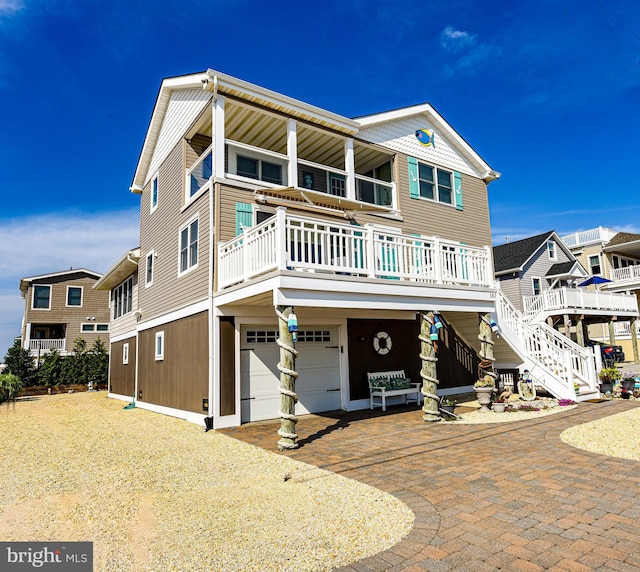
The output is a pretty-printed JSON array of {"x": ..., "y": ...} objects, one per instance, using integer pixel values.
[
  {"x": 253, "y": 204},
  {"x": 60, "y": 307},
  {"x": 616, "y": 257}
]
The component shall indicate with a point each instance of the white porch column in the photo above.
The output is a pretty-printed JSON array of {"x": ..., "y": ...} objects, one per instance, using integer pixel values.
[
  {"x": 292, "y": 152},
  {"x": 281, "y": 238},
  {"x": 218, "y": 136},
  {"x": 350, "y": 168}
]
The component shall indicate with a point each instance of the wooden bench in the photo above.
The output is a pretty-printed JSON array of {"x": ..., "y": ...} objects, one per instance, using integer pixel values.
[{"x": 379, "y": 390}]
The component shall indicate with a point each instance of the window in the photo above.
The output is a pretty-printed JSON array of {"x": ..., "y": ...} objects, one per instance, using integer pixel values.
[
  {"x": 74, "y": 295},
  {"x": 95, "y": 327},
  {"x": 41, "y": 297},
  {"x": 536, "y": 286},
  {"x": 122, "y": 298},
  {"x": 102, "y": 327},
  {"x": 551, "y": 250},
  {"x": 594, "y": 264},
  {"x": 125, "y": 353},
  {"x": 254, "y": 168},
  {"x": 189, "y": 246},
  {"x": 435, "y": 184},
  {"x": 337, "y": 185},
  {"x": 159, "y": 346},
  {"x": 154, "y": 193},
  {"x": 149, "y": 272}
]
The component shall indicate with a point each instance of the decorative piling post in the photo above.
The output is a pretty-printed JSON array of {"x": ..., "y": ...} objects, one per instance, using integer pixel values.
[
  {"x": 430, "y": 409},
  {"x": 287, "y": 387},
  {"x": 486, "y": 349}
]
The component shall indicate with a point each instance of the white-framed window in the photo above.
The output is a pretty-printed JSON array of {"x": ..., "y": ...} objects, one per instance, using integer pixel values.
[
  {"x": 188, "y": 246},
  {"x": 537, "y": 286},
  {"x": 74, "y": 296},
  {"x": 623, "y": 262},
  {"x": 125, "y": 353},
  {"x": 154, "y": 194},
  {"x": 250, "y": 164},
  {"x": 159, "y": 346},
  {"x": 41, "y": 297},
  {"x": 90, "y": 327},
  {"x": 552, "y": 250},
  {"x": 122, "y": 298},
  {"x": 595, "y": 266},
  {"x": 435, "y": 184},
  {"x": 148, "y": 281}
]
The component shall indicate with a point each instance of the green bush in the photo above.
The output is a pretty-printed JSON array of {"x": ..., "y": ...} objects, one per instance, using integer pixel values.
[
  {"x": 50, "y": 369},
  {"x": 19, "y": 362},
  {"x": 10, "y": 387}
]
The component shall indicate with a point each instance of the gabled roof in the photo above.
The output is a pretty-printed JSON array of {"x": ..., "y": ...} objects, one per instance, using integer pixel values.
[
  {"x": 24, "y": 282},
  {"x": 561, "y": 268},
  {"x": 513, "y": 256},
  {"x": 428, "y": 111},
  {"x": 567, "y": 270}
]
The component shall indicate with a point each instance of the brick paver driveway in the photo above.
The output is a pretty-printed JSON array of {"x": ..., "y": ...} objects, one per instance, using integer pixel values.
[{"x": 504, "y": 496}]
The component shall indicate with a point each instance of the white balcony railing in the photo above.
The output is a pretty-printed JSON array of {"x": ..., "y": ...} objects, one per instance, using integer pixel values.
[
  {"x": 47, "y": 345},
  {"x": 305, "y": 244},
  {"x": 577, "y": 298},
  {"x": 628, "y": 274},
  {"x": 600, "y": 234}
]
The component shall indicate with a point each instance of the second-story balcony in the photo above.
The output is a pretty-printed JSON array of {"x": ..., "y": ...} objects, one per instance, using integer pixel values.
[
  {"x": 578, "y": 300},
  {"x": 287, "y": 242},
  {"x": 628, "y": 275}
]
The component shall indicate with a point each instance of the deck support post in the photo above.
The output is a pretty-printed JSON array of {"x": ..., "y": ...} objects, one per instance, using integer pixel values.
[
  {"x": 634, "y": 339},
  {"x": 429, "y": 374},
  {"x": 612, "y": 333},
  {"x": 485, "y": 367},
  {"x": 580, "y": 331},
  {"x": 287, "y": 387}
]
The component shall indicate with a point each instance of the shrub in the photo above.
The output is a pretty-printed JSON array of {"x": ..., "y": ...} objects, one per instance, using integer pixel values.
[
  {"x": 10, "y": 387},
  {"x": 19, "y": 362}
]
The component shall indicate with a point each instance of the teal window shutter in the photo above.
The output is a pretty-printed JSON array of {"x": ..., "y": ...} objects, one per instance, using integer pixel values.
[
  {"x": 244, "y": 216},
  {"x": 457, "y": 190},
  {"x": 414, "y": 183}
]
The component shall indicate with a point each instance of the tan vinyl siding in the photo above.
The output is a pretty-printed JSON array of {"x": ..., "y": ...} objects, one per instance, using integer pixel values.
[
  {"x": 95, "y": 304},
  {"x": 159, "y": 231},
  {"x": 470, "y": 226},
  {"x": 122, "y": 377},
  {"x": 180, "y": 380}
]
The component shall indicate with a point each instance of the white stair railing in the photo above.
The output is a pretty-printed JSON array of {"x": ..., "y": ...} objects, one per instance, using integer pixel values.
[{"x": 553, "y": 360}]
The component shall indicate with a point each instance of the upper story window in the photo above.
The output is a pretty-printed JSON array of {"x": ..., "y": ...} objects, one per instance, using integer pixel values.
[
  {"x": 149, "y": 270},
  {"x": 154, "y": 193},
  {"x": 535, "y": 282},
  {"x": 122, "y": 298},
  {"x": 74, "y": 296},
  {"x": 622, "y": 262},
  {"x": 551, "y": 250},
  {"x": 261, "y": 169},
  {"x": 594, "y": 264},
  {"x": 435, "y": 184},
  {"x": 95, "y": 327},
  {"x": 188, "y": 246},
  {"x": 41, "y": 297}
]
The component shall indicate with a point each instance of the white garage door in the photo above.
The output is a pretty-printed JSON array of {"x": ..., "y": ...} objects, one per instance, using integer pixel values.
[{"x": 318, "y": 383}]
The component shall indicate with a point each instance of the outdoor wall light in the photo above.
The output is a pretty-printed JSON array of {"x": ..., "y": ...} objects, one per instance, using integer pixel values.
[{"x": 205, "y": 404}]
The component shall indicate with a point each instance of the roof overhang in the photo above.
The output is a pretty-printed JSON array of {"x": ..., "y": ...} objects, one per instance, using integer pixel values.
[
  {"x": 631, "y": 248},
  {"x": 121, "y": 270},
  {"x": 306, "y": 199},
  {"x": 576, "y": 272},
  {"x": 24, "y": 282}
]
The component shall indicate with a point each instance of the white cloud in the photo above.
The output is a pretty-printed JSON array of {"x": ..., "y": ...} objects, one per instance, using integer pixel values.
[
  {"x": 456, "y": 41},
  {"x": 10, "y": 6},
  {"x": 49, "y": 243}
]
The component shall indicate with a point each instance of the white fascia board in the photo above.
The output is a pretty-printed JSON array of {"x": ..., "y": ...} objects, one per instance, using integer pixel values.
[
  {"x": 191, "y": 310},
  {"x": 435, "y": 118},
  {"x": 273, "y": 97},
  {"x": 24, "y": 282},
  {"x": 129, "y": 258},
  {"x": 122, "y": 337}
]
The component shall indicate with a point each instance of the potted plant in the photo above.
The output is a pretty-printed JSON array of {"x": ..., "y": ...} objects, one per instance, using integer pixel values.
[
  {"x": 447, "y": 405},
  {"x": 628, "y": 383},
  {"x": 500, "y": 404},
  {"x": 625, "y": 394},
  {"x": 608, "y": 376},
  {"x": 484, "y": 388}
]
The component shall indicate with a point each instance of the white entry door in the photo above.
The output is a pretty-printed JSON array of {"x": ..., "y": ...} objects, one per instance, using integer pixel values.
[{"x": 318, "y": 367}]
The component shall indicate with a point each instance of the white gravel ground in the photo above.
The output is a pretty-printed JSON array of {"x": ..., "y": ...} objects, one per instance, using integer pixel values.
[{"x": 156, "y": 493}]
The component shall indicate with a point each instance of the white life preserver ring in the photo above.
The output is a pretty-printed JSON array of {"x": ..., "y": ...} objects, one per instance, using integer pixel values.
[{"x": 382, "y": 343}]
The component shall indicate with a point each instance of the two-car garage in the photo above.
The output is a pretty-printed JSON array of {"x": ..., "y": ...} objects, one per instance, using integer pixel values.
[{"x": 318, "y": 367}]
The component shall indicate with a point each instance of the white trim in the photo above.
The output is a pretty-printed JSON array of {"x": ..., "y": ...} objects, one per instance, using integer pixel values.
[
  {"x": 125, "y": 353},
  {"x": 155, "y": 179},
  {"x": 33, "y": 295},
  {"x": 81, "y": 297},
  {"x": 159, "y": 338},
  {"x": 201, "y": 306},
  {"x": 533, "y": 286},
  {"x": 153, "y": 255},
  {"x": 552, "y": 252},
  {"x": 189, "y": 416},
  {"x": 187, "y": 225}
]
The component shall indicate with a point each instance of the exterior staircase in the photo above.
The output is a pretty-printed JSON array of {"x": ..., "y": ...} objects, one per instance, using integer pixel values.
[{"x": 554, "y": 362}]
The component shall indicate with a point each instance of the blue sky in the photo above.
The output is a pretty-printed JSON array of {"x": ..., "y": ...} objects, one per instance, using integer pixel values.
[{"x": 547, "y": 92}]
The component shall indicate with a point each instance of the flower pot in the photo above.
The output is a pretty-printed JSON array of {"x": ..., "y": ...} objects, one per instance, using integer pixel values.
[
  {"x": 629, "y": 384},
  {"x": 604, "y": 387},
  {"x": 499, "y": 407},
  {"x": 448, "y": 408},
  {"x": 625, "y": 395},
  {"x": 483, "y": 394}
]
